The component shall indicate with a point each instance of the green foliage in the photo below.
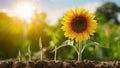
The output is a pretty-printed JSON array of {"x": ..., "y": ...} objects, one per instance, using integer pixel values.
[
  {"x": 108, "y": 35},
  {"x": 15, "y": 33},
  {"x": 109, "y": 11}
]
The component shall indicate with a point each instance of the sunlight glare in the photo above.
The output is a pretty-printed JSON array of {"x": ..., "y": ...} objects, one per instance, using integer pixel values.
[{"x": 25, "y": 11}]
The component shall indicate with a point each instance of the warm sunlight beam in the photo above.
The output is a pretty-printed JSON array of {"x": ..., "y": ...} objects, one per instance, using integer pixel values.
[{"x": 25, "y": 11}]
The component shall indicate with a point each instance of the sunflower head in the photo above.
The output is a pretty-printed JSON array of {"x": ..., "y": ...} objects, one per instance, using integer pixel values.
[{"x": 79, "y": 24}]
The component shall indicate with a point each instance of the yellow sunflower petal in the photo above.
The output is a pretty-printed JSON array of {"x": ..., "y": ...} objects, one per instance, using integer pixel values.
[
  {"x": 80, "y": 37},
  {"x": 77, "y": 10},
  {"x": 66, "y": 18},
  {"x": 70, "y": 13}
]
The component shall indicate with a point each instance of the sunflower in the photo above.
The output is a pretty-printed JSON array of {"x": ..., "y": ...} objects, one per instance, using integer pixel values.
[{"x": 79, "y": 24}]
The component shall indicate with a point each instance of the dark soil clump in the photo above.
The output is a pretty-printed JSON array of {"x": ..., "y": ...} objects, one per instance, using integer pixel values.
[
  {"x": 19, "y": 65},
  {"x": 4, "y": 65},
  {"x": 53, "y": 64},
  {"x": 61, "y": 64},
  {"x": 41, "y": 64}
]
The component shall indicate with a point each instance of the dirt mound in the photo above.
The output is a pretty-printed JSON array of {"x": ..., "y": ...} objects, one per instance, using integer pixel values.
[{"x": 61, "y": 64}]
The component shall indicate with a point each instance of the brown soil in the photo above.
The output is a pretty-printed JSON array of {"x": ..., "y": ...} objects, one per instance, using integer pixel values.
[{"x": 60, "y": 64}]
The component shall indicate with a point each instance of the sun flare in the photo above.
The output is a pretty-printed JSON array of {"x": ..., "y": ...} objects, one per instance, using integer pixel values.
[{"x": 25, "y": 11}]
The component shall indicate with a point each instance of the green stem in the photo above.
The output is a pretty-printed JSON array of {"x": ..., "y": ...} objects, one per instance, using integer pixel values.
[
  {"x": 41, "y": 55},
  {"x": 83, "y": 48},
  {"x": 79, "y": 51},
  {"x": 40, "y": 45},
  {"x": 29, "y": 52},
  {"x": 19, "y": 56},
  {"x": 30, "y": 57},
  {"x": 55, "y": 55}
]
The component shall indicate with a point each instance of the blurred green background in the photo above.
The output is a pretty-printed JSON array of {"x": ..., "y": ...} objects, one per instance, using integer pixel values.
[{"x": 16, "y": 34}]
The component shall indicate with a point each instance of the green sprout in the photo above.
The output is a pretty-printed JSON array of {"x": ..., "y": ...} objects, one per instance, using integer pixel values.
[
  {"x": 40, "y": 46},
  {"x": 19, "y": 56},
  {"x": 29, "y": 53},
  {"x": 55, "y": 55}
]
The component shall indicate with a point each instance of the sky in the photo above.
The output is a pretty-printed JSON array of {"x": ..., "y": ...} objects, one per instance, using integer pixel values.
[{"x": 55, "y": 8}]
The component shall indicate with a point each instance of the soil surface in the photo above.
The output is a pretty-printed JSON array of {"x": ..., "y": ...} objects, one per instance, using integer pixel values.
[{"x": 60, "y": 64}]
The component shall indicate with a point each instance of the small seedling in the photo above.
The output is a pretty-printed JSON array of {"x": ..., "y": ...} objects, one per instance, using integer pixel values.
[
  {"x": 19, "y": 56},
  {"x": 40, "y": 46},
  {"x": 55, "y": 55},
  {"x": 29, "y": 53}
]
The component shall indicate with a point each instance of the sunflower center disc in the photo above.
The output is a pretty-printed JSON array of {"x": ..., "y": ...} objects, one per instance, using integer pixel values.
[{"x": 79, "y": 24}]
